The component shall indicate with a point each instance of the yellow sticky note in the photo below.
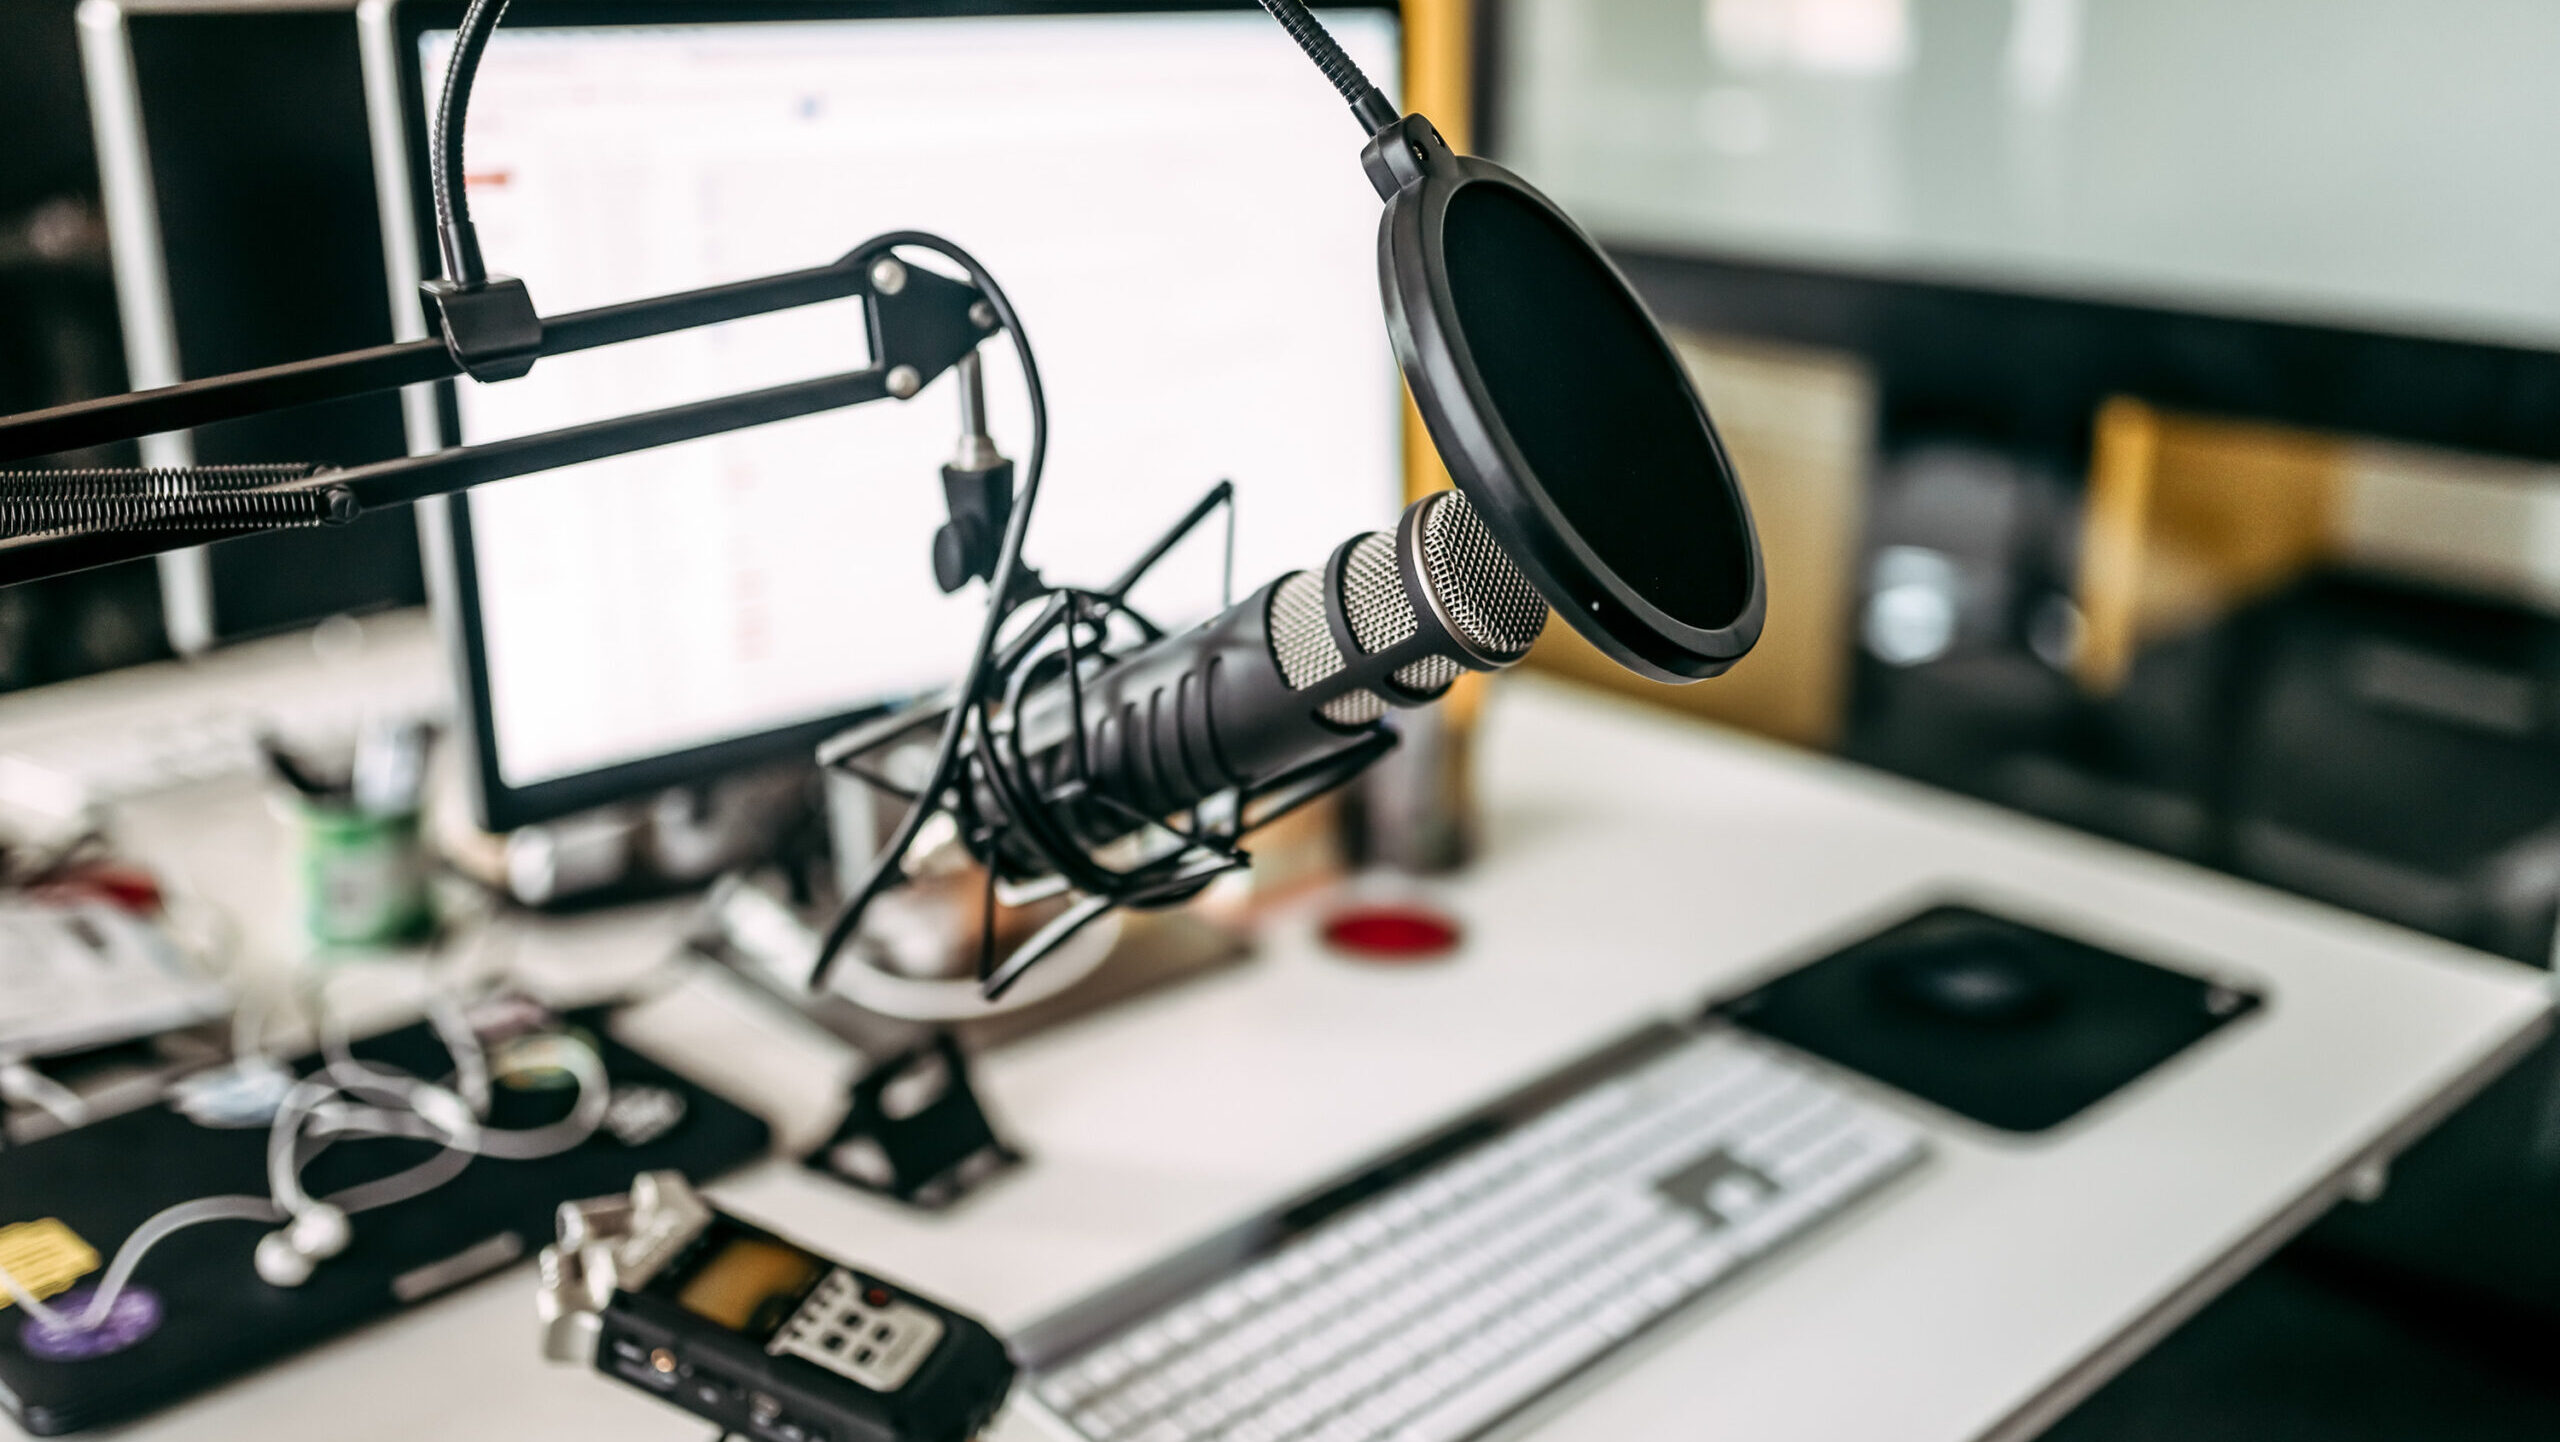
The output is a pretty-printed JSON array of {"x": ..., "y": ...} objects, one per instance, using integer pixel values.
[{"x": 44, "y": 1257}]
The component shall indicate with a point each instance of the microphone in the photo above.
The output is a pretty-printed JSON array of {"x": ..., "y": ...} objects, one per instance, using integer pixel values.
[
  {"x": 1293, "y": 676},
  {"x": 1590, "y": 479}
]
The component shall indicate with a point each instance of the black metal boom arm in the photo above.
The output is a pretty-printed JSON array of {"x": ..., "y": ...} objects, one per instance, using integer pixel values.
[{"x": 920, "y": 324}]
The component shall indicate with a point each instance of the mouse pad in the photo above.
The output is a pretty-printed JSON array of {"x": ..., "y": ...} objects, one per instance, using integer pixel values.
[
  {"x": 201, "y": 1316},
  {"x": 2010, "y": 1025}
]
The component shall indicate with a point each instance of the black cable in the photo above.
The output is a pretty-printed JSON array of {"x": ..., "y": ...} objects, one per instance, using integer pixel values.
[
  {"x": 1058, "y": 840},
  {"x": 1000, "y": 585},
  {"x": 460, "y": 242},
  {"x": 1374, "y": 111},
  {"x": 454, "y": 234},
  {"x": 1007, "y": 774},
  {"x": 1006, "y": 792},
  {"x": 463, "y": 265}
]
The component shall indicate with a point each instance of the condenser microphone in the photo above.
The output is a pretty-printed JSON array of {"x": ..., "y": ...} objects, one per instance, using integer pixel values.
[
  {"x": 1590, "y": 480},
  {"x": 1289, "y": 676}
]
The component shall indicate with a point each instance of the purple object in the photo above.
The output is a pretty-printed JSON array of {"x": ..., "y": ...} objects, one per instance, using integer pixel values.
[{"x": 135, "y": 1315}]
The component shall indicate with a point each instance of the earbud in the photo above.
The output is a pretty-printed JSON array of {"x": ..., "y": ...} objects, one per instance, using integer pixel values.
[{"x": 287, "y": 1256}]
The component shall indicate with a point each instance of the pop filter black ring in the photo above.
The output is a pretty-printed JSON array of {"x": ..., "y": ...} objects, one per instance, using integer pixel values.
[{"x": 1420, "y": 177}]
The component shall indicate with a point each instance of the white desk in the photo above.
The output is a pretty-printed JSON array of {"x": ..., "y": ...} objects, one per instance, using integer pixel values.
[{"x": 1636, "y": 864}]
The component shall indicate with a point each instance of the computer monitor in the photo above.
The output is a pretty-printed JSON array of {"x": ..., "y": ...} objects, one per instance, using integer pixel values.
[{"x": 1172, "y": 203}]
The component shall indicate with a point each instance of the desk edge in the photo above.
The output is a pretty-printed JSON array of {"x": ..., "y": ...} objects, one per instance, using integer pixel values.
[{"x": 2048, "y": 1406}]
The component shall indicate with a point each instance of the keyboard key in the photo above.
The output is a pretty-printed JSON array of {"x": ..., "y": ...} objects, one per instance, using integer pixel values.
[{"x": 1062, "y": 1392}]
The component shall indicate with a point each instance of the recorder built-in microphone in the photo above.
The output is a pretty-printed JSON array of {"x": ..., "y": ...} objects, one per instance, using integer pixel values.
[{"x": 1281, "y": 679}]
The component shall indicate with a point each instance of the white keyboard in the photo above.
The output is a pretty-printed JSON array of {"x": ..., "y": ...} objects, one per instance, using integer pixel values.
[{"x": 1446, "y": 1289}]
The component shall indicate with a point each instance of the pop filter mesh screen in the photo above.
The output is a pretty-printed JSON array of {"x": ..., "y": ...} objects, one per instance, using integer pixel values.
[{"x": 1590, "y": 396}]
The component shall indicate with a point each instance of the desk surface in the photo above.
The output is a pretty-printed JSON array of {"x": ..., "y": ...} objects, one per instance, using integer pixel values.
[{"x": 1635, "y": 864}]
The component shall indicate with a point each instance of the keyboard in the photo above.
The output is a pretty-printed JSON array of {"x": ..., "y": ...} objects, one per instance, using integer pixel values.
[{"x": 1446, "y": 1288}]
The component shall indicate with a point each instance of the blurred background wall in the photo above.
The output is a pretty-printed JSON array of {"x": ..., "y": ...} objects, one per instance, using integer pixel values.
[
  {"x": 2152, "y": 410},
  {"x": 2322, "y": 158},
  {"x": 2087, "y": 359}
]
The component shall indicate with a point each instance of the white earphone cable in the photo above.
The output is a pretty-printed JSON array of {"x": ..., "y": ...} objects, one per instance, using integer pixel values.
[{"x": 316, "y": 1112}]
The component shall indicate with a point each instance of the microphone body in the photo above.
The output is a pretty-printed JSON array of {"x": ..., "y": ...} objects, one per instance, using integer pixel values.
[{"x": 1292, "y": 674}]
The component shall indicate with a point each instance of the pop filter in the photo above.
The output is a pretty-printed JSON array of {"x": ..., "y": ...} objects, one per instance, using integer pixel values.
[{"x": 1562, "y": 412}]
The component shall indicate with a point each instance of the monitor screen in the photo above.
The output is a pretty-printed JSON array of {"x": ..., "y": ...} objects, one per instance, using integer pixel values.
[{"x": 1172, "y": 199}]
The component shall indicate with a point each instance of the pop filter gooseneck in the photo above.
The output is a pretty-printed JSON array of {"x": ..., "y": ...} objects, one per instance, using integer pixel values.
[{"x": 1553, "y": 397}]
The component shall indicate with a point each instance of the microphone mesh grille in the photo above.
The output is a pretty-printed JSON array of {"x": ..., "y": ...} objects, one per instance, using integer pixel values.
[
  {"x": 1354, "y": 708},
  {"x": 1484, "y": 595},
  {"x": 1373, "y": 595},
  {"x": 1428, "y": 675},
  {"x": 1381, "y": 613},
  {"x": 1301, "y": 642}
]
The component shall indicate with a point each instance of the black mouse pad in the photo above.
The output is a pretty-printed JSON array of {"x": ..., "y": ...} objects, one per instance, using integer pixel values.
[
  {"x": 1995, "y": 1020},
  {"x": 206, "y": 1317}
]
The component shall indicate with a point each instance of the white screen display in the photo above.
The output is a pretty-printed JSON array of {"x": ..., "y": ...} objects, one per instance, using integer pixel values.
[{"x": 1175, "y": 204}]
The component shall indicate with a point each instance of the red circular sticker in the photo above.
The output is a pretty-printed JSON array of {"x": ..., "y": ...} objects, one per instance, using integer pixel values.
[{"x": 1389, "y": 931}]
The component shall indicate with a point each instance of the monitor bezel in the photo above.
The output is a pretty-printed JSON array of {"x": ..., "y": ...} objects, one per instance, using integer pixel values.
[{"x": 445, "y": 525}]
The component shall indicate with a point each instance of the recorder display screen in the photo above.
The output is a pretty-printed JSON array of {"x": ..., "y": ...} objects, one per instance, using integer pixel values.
[{"x": 750, "y": 1285}]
